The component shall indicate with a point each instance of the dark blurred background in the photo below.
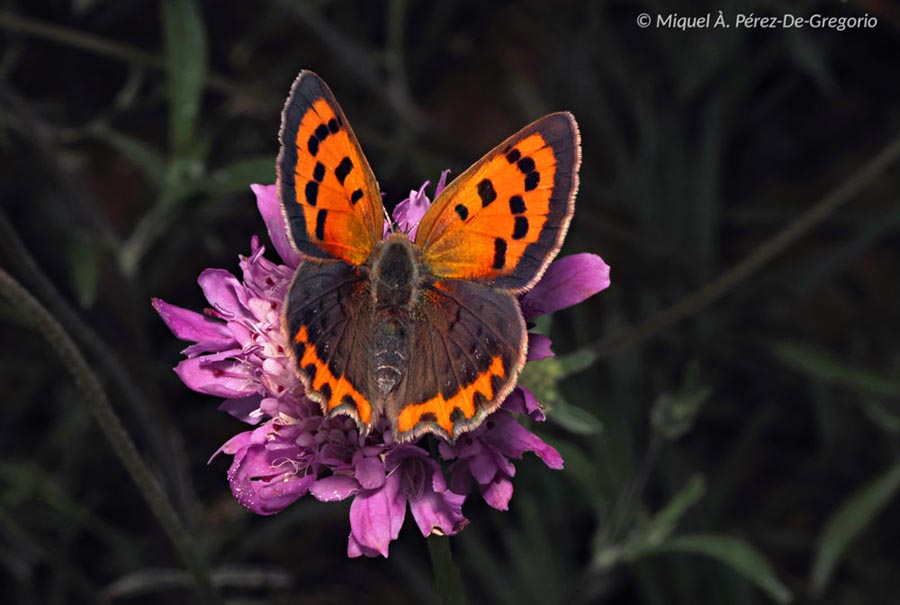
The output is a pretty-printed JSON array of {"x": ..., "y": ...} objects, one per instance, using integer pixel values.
[{"x": 747, "y": 453}]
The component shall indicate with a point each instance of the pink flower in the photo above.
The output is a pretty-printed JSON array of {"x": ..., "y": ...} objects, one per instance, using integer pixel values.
[{"x": 239, "y": 354}]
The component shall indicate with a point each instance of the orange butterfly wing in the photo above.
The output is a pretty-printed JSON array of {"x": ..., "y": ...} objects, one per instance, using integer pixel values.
[
  {"x": 488, "y": 236},
  {"x": 333, "y": 210},
  {"x": 504, "y": 219},
  {"x": 329, "y": 194}
]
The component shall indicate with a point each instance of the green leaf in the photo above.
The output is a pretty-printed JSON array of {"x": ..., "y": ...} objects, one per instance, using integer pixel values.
[
  {"x": 574, "y": 419},
  {"x": 542, "y": 377},
  {"x": 647, "y": 538},
  {"x": 673, "y": 414},
  {"x": 736, "y": 554},
  {"x": 823, "y": 366},
  {"x": 142, "y": 156},
  {"x": 186, "y": 64},
  {"x": 849, "y": 521},
  {"x": 663, "y": 522},
  {"x": 238, "y": 176},
  {"x": 576, "y": 361}
]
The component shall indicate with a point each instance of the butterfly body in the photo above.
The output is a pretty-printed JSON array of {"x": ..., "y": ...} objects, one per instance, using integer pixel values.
[
  {"x": 426, "y": 334},
  {"x": 395, "y": 290}
]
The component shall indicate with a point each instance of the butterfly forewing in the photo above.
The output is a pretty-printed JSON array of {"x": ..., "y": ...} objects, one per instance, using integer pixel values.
[
  {"x": 327, "y": 189},
  {"x": 504, "y": 219}
]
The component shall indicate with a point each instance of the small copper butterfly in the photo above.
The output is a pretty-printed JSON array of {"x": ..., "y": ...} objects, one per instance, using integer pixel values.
[{"x": 427, "y": 333}]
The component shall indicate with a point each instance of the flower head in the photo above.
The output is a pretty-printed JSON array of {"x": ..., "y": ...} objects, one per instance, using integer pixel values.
[{"x": 239, "y": 353}]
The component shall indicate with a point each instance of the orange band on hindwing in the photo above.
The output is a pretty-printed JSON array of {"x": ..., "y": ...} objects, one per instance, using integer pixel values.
[{"x": 332, "y": 391}]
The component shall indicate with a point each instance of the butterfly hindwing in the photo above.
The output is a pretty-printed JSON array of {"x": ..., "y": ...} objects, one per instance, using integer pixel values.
[
  {"x": 468, "y": 343},
  {"x": 328, "y": 318},
  {"x": 504, "y": 219},
  {"x": 327, "y": 189}
]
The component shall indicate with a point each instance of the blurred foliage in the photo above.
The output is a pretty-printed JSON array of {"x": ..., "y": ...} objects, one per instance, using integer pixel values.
[{"x": 744, "y": 455}]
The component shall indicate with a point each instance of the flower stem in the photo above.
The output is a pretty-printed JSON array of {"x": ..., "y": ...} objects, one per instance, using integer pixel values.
[
  {"x": 446, "y": 575},
  {"x": 166, "y": 448},
  {"x": 113, "y": 429}
]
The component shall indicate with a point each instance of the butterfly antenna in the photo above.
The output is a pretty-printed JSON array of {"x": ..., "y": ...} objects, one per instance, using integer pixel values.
[{"x": 387, "y": 217}]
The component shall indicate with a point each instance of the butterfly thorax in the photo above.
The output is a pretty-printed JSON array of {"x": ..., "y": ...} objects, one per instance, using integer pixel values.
[{"x": 394, "y": 287}]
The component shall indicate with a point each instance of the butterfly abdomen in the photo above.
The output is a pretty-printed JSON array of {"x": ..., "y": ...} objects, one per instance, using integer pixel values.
[{"x": 394, "y": 281}]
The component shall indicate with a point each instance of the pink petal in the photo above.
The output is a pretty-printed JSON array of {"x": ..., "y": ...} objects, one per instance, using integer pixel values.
[
  {"x": 233, "y": 445},
  {"x": 260, "y": 487},
  {"x": 483, "y": 467},
  {"x": 225, "y": 293},
  {"x": 512, "y": 440},
  {"x": 334, "y": 488},
  {"x": 355, "y": 549},
  {"x": 498, "y": 492},
  {"x": 408, "y": 213},
  {"x": 568, "y": 281},
  {"x": 272, "y": 214},
  {"x": 217, "y": 375},
  {"x": 523, "y": 401},
  {"x": 439, "y": 513},
  {"x": 539, "y": 347},
  {"x": 376, "y": 516},
  {"x": 190, "y": 325},
  {"x": 242, "y": 408},
  {"x": 370, "y": 472},
  {"x": 442, "y": 182}
]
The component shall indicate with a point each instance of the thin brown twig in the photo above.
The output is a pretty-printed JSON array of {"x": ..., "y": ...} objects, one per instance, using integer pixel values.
[{"x": 760, "y": 257}]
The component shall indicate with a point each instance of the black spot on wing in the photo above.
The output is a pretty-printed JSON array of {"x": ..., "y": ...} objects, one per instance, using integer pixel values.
[
  {"x": 326, "y": 391},
  {"x": 321, "y": 132},
  {"x": 428, "y": 417},
  {"x": 532, "y": 179},
  {"x": 462, "y": 211},
  {"x": 312, "y": 192},
  {"x": 486, "y": 192},
  {"x": 517, "y": 204},
  {"x": 319, "y": 172},
  {"x": 520, "y": 229},
  {"x": 343, "y": 169},
  {"x": 457, "y": 415},
  {"x": 310, "y": 371},
  {"x": 313, "y": 145},
  {"x": 356, "y": 196},
  {"x": 499, "y": 252},
  {"x": 513, "y": 156},
  {"x": 333, "y": 125},
  {"x": 525, "y": 165},
  {"x": 320, "y": 224}
]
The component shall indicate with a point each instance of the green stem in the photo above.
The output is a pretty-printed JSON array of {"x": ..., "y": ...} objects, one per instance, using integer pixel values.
[
  {"x": 166, "y": 445},
  {"x": 113, "y": 429},
  {"x": 761, "y": 256},
  {"x": 446, "y": 575}
]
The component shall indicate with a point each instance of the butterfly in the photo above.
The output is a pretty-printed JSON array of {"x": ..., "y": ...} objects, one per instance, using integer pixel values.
[{"x": 427, "y": 334}]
